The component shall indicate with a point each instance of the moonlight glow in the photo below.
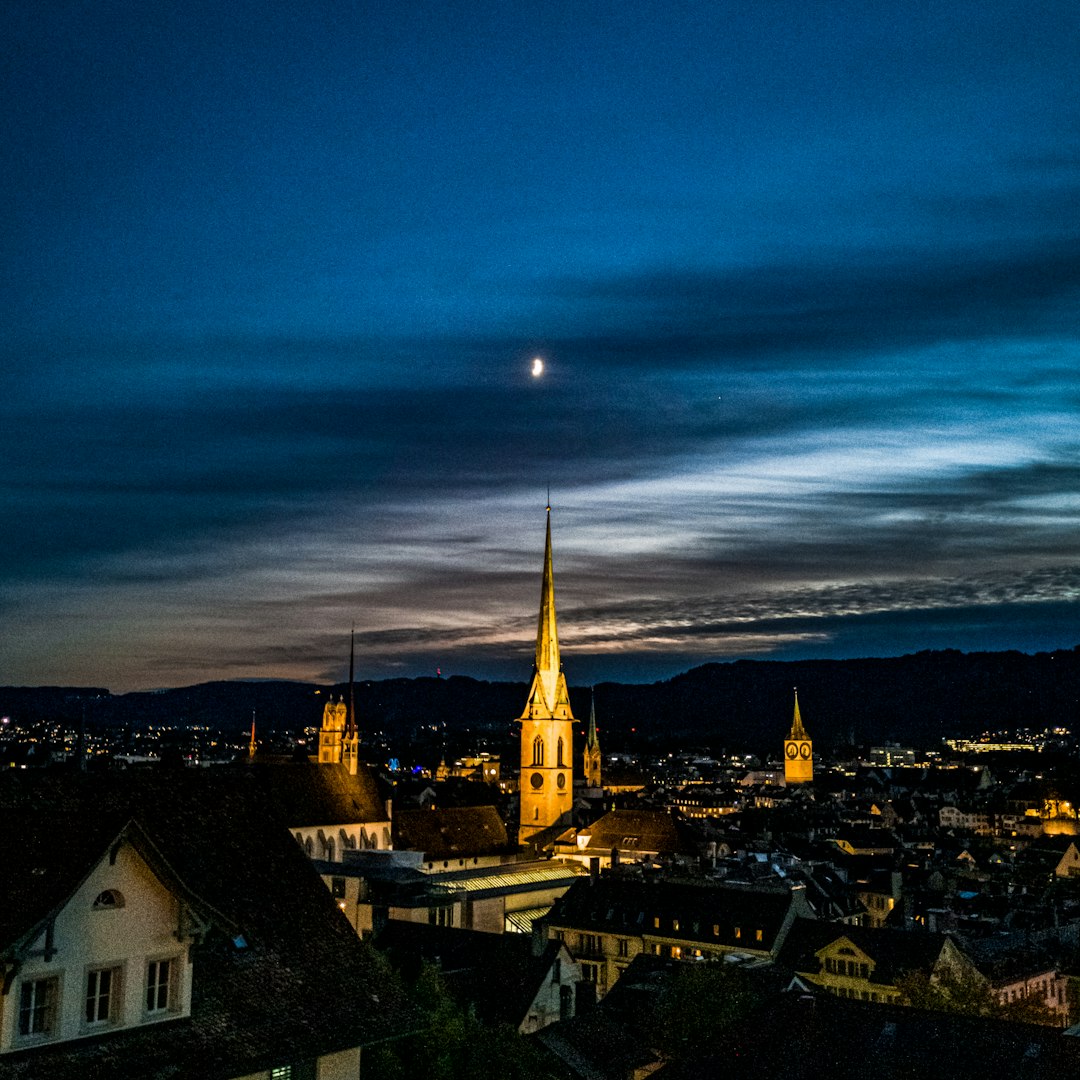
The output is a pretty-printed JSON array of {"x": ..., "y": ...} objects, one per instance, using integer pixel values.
[{"x": 537, "y": 367}]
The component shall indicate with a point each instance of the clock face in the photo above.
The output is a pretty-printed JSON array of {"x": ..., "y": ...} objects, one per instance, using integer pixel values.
[
  {"x": 804, "y": 751},
  {"x": 537, "y": 780},
  {"x": 791, "y": 750}
]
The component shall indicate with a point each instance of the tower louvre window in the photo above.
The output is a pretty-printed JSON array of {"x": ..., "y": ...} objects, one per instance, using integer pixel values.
[
  {"x": 538, "y": 751},
  {"x": 559, "y": 754}
]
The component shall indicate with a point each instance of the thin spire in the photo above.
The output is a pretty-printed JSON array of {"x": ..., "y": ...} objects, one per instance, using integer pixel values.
[
  {"x": 591, "y": 741},
  {"x": 548, "y": 695},
  {"x": 547, "y": 637},
  {"x": 252, "y": 746},
  {"x": 797, "y": 729},
  {"x": 350, "y": 723}
]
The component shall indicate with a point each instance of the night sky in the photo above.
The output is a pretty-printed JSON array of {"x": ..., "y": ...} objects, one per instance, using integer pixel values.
[{"x": 805, "y": 278}]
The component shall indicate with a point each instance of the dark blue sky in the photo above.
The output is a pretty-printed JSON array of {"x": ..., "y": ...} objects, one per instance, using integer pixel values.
[{"x": 805, "y": 278}]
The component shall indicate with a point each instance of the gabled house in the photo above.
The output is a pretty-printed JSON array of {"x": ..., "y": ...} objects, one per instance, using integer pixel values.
[
  {"x": 606, "y": 921},
  {"x": 162, "y": 923},
  {"x": 502, "y": 979}
]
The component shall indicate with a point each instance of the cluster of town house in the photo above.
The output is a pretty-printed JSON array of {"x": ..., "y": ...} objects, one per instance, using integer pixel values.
[{"x": 220, "y": 921}]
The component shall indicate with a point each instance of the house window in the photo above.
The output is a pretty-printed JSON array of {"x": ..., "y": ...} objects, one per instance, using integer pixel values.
[
  {"x": 281, "y": 1072},
  {"x": 590, "y": 973},
  {"x": 337, "y": 888},
  {"x": 37, "y": 1007},
  {"x": 675, "y": 924},
  {"x": 110, "y": 898},
  {"x": 738, "y": 932},
  {"x": 538, "y": 751},
  {"x": 624, "y": 946},
  {"x": 160, "y": 995},
  {"x": 102, "y": 996},
  {"x": 758, "y": 935}
]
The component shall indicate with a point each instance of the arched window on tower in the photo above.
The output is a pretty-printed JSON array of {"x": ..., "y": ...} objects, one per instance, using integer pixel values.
[
  {"x": 538, "y": 751},
  {"x": 559, "y": 755}
]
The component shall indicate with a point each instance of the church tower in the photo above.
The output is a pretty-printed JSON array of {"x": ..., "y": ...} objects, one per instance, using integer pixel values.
[
  {"x": 547, "y": 764},
  {"x": 798, "y": 752},
  {"x": 333, "y": 727},
  {"x": 350, "y": 739},
  {"x": 592, "y": 749}
]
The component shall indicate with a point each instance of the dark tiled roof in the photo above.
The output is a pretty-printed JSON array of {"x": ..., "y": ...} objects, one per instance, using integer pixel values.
[
  {"x": 630, "y": 906},
  {"x": 304, "y": 985},
  {"x": 451, "y": 833},
  {"x": 307, "y": 795},
  {"x": 642, "y": 830}
]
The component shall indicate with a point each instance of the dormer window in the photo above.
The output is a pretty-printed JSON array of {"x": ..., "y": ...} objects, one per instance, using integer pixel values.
[{"x": 110, "y": 898}]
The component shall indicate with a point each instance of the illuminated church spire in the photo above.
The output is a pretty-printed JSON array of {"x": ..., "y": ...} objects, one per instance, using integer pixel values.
[
  {"x": 547, "y": 768},
  {"x": 798, "y": 751},
  {"x": 350, "y": 740},
  {"x": 548, "y": 696},
  {"x": 592, "y": 749}
]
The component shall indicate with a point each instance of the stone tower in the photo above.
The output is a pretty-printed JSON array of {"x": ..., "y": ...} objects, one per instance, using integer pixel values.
[
  {"x": 547, "y": 764},
  {"x": 592, "y": 750},
  {"x": 333, "y": 727},
  {"x": 798, "y": 752}
]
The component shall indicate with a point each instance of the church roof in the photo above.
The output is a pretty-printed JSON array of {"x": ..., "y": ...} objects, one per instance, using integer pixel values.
[
  {"x": 451, "y": 833},
  {"x": 305, "y": 795}
]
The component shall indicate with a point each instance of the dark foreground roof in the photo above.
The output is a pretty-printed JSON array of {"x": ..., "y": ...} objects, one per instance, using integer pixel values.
[
  {"x": 820, "y": 1037},
  {"x": 497, "y": 974},
  {"x": 301, "y": 985}
]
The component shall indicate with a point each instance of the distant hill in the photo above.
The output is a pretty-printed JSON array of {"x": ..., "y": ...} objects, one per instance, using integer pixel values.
[{"x": 919, "y": 698}]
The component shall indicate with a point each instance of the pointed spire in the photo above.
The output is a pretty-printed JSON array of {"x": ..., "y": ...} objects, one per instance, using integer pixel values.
[
  {"x": 350, "y": 722},
  {"x": 252, "y": 746},
  {"x": 548, "y": 695},
  {"x": 797, "y": 729},
  {"x": 547, "y": 637},
  {"x": 591, "y": 740}
]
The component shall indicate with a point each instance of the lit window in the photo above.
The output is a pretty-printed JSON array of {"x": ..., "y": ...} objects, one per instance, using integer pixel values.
[
  {"x": 758, "y": 935},
  {"x": 159, "y": 983},
  {"x": 738, "y": 932},
  {"x": 102, "y": 996},
  {"x": 281, "y": 1072},
  {"x": 37, "y": 1007},
  {"x": 110, "y": 898}
]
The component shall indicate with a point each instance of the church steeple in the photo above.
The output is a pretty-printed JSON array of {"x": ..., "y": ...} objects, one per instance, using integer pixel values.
[
  {"x": 797, "y": 729},
  {"x": 592, "y": 749},
  {"x": 798, "y": 751},
  {"x": 547, "y": 766},
  {"x": 548, "y": 695},
  {"x": 350, "y": 740}
]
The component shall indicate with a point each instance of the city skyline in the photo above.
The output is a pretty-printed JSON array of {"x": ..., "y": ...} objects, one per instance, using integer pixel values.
[{"x": 804, "y": 284}]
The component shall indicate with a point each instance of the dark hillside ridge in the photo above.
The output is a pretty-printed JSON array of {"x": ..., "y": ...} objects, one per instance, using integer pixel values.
[{"x": 919, "y": 698}]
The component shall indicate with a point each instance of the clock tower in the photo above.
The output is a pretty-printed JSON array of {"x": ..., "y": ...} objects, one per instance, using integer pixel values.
[
  {"x": 547, "y": 737},
  {"x": 798, "y": 752}
]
